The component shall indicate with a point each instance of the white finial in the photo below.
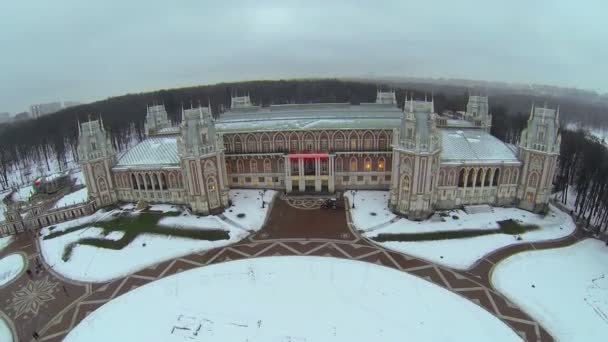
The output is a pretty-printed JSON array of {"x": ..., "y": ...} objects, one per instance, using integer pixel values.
[
  {"x": 78, "y": 122},
  {"x": 557, "y": 114},
  {"x": 432, "y": 103},
  {"x": 412, "y": 103}
]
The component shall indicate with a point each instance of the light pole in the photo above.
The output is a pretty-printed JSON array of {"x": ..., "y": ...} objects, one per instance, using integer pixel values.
[
  {"x": 262, "y": 192},
  {"x": 353, "y": 192}
]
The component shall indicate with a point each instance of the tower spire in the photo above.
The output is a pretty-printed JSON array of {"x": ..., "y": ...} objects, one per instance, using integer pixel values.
[{"x": 412, "y": 103}]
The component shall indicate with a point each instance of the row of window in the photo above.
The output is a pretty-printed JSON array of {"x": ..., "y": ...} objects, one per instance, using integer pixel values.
[
  {"x": 353, "y": 166},
  {"x": 234, "y": 144}
]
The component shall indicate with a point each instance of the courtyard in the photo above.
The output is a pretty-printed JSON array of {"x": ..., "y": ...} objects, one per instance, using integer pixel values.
[{"x": 291, "y": 254}]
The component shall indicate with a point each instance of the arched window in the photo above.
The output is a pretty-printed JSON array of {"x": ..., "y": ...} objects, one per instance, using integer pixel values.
[
  {"x": 339, "y": 164},
  {"x": 172, "y": 180},
  {"x": 383, "y": 142},
  {"x": 281, "y": 165},
  {"x": 368, "y": 141},
  {"x": 472, "y": 173},
  {"x": 294, "y": 144},
  {"x": 252, "y": 144},
  {"x": 156, "y": 182},
  {"x": 381, "y": 164},
  {"x": 353, "y": 164},
  {"x": 405, "y": 184},
  {"x": 227, "y": 145},
  {"x": 164, "y": 181},
  {"x": 461, "y": 178},
  {"x": 309, "y": 142},
  {"x": 324, "y": 142},
  {"x": 507, "y": 176},
  {"x": 367, "y": 164},
  {"x": 480, "y": 173},
  {"x": 238, "y": 145},
  {"x": 515, "y": 175},
  {"x": 451, "y": 176},
  {"x": 279, "y": 143},
  {"x": 267, "y": 166},
  {"x": 486, "y": 181},
  {"x": 533, "y": 180},
  {"x": 253, "y": 166},
  {"x": 265, "y": 143},
  {"x": 228, "y": 167},
  {"x": 149, "y": 182},
  {"x": 339, "y": 141},
  {"x": 239, "y": 166},
  {"x": 353, "y": 144},
  {"x": 495, "y": 179},
  {"x": 441, "y": 180},
  {"x": 133, "y": 181}
]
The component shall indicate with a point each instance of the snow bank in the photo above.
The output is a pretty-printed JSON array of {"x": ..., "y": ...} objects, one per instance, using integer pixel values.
[
  {"x": 463, "y": 253},
  {"x": 565, "y": 289},
  {"x": 76, "y": 197},
  {"x": 291, "y": 299},
  {"x": 10, "y": 267},
  {"x": 366, "y": 203}
]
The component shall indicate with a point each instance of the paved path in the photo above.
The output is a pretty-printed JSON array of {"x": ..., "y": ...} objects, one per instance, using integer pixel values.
[{"x": 52, "y": 305}]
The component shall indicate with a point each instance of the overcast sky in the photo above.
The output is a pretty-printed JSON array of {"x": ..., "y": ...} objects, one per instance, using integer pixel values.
[{"x": 86, "y": 50}]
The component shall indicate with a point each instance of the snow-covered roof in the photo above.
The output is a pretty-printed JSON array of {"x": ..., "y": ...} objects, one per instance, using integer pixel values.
[
  {"x": 474, "y": 146},
  {"x": 155, "y": 151},
  {"x": 458, "y": 123},
  {"x": 311, "y": 116}
]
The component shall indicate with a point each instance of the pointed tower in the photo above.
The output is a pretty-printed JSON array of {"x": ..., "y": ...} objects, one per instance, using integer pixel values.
[
  {"x": 202, "y": 160},
  {"x": 538, "y": 150},
  {"x": 156, "y": 120},
  {"x": 97, "y": 157},
  {"x": 238, "y": 102},
  {"x": 416, "y": 152},
  {"x": 478, "y": 112},
  {"x": 386, "y": 97}
]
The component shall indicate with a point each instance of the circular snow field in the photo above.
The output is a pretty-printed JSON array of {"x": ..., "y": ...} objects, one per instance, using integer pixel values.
[
  {"x": 11, "y": 267},
  {"x": 291, "y": 299},
  {"x": 5, "y": 331}
]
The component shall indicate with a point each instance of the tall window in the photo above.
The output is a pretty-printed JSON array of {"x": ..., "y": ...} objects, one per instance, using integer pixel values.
[
  {"x": 461, "y": 178},
  {"x": 266, "y": 145},
  {"x": 339, "y": 144},
  {"x": 368, "y": 164},
  {"x": 382, "y": 144},
  {"x": 281, "y": 165},
  {"x": 324, "y": 144},
  {"x": 406, "y": 184},
  {"x": 368, "y": 142},
  {"x": 533, "y": 181},
  {"x": 324, "y": 166},
  {"x": 381, "y": 163},
  {"x": 495, "y": 179},
  {"x": 515, "y": 174},
  {"x": 353, "y": 143},
  {"x": 279, "y": 143},
  {"x": 253, "y": 166},
  {"x": 251, "y": 144},
  {"x": 294, "y": 144},
  {"x": 339, "y": 166},
  {"x": 238, "y": 147},
  {"x": 267, "y": 166},
  {"x": 353, "y": 164},
  {"x": 239, "y": 166}
]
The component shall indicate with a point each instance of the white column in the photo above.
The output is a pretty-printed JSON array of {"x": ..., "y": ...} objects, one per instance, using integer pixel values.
[
  {"x": 288, "y": 182},
  {"x": 301, "y": 183},
  {"x": 330, "y": 180}
]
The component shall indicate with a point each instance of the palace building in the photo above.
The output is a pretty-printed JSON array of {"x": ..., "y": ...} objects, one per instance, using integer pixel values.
[{"x": 428, "y": 162}]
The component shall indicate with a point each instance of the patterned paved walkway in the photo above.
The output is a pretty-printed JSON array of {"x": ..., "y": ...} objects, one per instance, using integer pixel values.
[{"x": 52, "y": 305}]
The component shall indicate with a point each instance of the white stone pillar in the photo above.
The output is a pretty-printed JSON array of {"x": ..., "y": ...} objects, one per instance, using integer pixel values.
[
  {"x": 330, "y": 180},
  {"x": 301, "y": 183},
  {"x": 288, "y": 182},
  {"x": 317, "y": 174}
]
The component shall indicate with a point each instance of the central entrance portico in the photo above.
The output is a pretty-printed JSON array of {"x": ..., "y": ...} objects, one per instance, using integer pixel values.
[{"x": 309, "y": 172}]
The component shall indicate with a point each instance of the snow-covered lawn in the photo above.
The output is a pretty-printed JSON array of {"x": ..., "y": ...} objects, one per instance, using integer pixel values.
[
  {"x": 456, "y": 253},
  {"x": 368, "y": 203},
  {"x": 10, "y": 267},
  {"x": 73, "y": 198},
  {"x": 23, "y": 193},
  {"x": 565, "y": 289},
  {"x": 93, "y": 264},
  {"x": 249, "y": 202},
  {"x": 5, "y": 332},
  {"x": 296, "y": 299},
  {"x": 5, "y": 241}
]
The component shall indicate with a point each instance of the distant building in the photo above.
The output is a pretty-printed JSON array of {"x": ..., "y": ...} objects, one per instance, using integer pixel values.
[
  {"x": 22, "y": 116},
  {"x": 4, "y": 117},
  {"x": 42, "y": 109}
]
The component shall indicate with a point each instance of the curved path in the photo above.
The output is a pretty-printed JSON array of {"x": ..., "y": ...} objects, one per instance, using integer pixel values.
[{"x": 52, "y": 305}]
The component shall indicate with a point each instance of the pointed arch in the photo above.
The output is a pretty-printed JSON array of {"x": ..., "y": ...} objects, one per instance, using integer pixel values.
[
  {"x": 353, "y": 164},
  {"x": 163, "y": 180},
  {"x": 507, "y": 176},
  {"x": 309, "y": 142},
  {"x": 405, "y": 184},
  {"x": 533, "y": 180},
  {"x": 252, "y": 143},
  {"x": 471, "y": 178},
  {"x": 212, "y": 192},
  {"x": 266, "y": 145},
  {"x": 369, "y": 141},
  {"x": 228, "y": 167},
  {"x": 156, "y": 182},
  {"x": 383, "y": 141},
  {"x": 367, "y": 164},
  {"x": 462, "y": 178},
  {"x": 515, "y": 176},
  {"x": 281, "y": 164},
  {"x": 339, "y": 164},
  {"x": 339, "y": 141},
  {"x": 381, "y": 164},
  {"x": 480, "y": 173},
  {"x": 240, "y": 168},
  {"x": 280, "y": 142},
  {"x": 172, "y": 180},
  {"x": 253, "y": 166},
  {"x": 406, "y": 165},
  {"x": 267, "y": 166},
  {"x": 227, "y": 143},
  {"x": 496, "y": 175},
  {"x": 353, "y": 141},
  {"x": 441, "y": 178},
  {"x": 451, "y": 176},
  {"x": 133, "y": 181},
  {"x": 238, "y": 144},
  {"x": 294, "y": 142},
  {"x": 324, "y": 142}
]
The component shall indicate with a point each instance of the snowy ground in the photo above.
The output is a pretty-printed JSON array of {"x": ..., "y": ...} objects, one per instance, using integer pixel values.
[
  {"x": 5, "y": 241},
  {"x": 10, "y": 267},
  {"x": 5, "y": 331},
  {"x": 92, "y": 264},
  {"x": 73, "y": 198},
  {"x": 565, "y": 289},
  {"x": 249, "y": 202},
  {"x": 456, "y": 253},
  {"x": 368, "y": 203},
  {"x": 280, "y": 299}
]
